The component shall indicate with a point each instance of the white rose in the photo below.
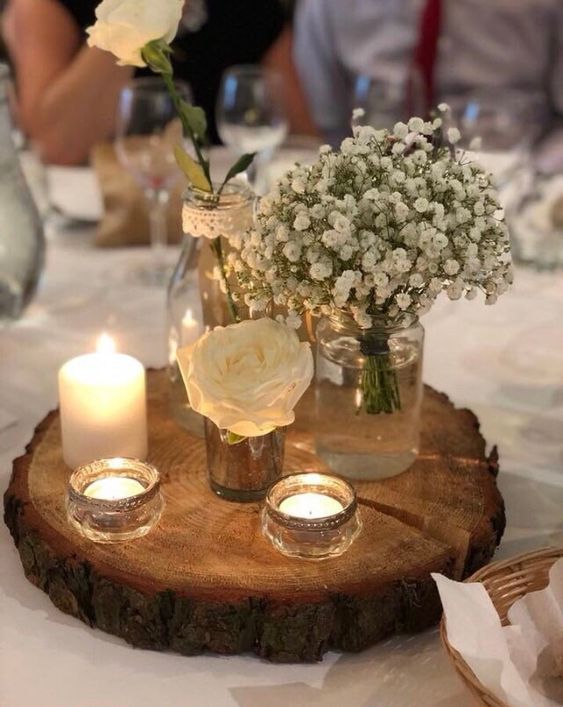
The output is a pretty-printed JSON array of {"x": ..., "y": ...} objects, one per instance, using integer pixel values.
[
  {"x": 247, "y": 377},
  {"x": 124, "y": 27}
]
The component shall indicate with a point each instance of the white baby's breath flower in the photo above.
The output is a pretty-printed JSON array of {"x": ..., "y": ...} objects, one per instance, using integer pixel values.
[
  {"x": 421, "y": 204},
  {"x": 403, "y": 300},
  {"x": 301, "y": 222},
  {"x": 416, "y": 125},
  {"x": 451, "y": 267},
  {"x": 454, "y": 136},
  {"x": 400, "y": 130},
  {"x": 378, "y": 231}
]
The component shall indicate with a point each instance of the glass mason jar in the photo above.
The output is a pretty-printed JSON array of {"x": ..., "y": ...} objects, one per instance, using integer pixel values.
[
  {"x": 195, "y": 299},
  {"x": 243, "y": 471},
  {"x": 22, "y": 242},
  {"x": 368, "y": 394}
]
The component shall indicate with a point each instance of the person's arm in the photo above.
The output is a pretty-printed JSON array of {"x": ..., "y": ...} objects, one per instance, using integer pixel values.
[
  {"x": 67, "y": 92},
  {"x": 279, "y": 57}
]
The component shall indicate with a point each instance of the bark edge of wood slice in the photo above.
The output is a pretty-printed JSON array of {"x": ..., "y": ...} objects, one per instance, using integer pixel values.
[{"x": 205, "y": 579}]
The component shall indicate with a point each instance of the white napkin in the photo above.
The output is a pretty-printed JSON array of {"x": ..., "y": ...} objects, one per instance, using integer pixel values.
[
  {"x": 505, "y": 659},
  {"x": 6, "y": 419}
]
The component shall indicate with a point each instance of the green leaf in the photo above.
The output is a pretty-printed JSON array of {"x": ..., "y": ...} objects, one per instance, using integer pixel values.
[
  {"x": 196, "y": 120},
  {"x": 193, "y": 171},
  {"x": 233, "y": 438},
  {"x": 242, "y": 164}
]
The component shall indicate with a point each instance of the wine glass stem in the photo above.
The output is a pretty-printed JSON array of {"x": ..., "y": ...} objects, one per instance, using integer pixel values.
[{"x": 158, "y": 202}]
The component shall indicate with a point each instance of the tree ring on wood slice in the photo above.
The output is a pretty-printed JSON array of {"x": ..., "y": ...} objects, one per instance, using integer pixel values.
[{"x": 205, "y": 579}]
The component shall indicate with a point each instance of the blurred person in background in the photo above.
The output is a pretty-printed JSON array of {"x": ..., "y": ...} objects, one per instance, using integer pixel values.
[
  {"x": 445, "y": 48},
  {"x": 68, "y": 92}
]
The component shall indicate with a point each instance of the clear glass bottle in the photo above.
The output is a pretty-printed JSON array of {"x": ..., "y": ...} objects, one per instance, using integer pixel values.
[
  {"x": 195, "y": 299},
  {"x": 243, "y": 471},
  {"x": 368, "y": 394},
  {"x": 22, "y": 242},
  {"x": 214, "y": 220}
]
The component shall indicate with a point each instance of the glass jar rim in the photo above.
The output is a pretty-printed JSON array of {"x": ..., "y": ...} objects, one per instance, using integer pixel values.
[
  {"x": 103, "y": 468},
  {"x": 342, "y": 318},
  {"x": 234, "y": 193},
  {"x": 306, "y": 482}
]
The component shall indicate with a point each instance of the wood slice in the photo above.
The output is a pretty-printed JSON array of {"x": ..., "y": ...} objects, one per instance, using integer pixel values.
[{"x": 205, "y": 579}]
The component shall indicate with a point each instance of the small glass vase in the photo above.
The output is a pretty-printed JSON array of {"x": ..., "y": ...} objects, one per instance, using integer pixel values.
[
  {"x": 214, "y": 220},
  {"x": 243, "y": 471},
  {"x": 368, "y": 394},
  {"x": 195, "y": 301}
]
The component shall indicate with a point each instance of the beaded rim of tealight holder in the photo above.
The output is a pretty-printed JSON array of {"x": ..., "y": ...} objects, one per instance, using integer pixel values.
[
  {"x": 137, "y": 469},
  {"x": 303, "y": 482}
]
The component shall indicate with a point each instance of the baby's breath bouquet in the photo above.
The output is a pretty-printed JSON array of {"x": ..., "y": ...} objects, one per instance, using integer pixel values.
[{"x": 377, "y": 229}]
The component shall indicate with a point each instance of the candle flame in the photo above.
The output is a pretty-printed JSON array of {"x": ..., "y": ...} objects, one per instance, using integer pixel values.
[
  {"x": 105, "y": 344},
  {"x": 188, "y": 317}
]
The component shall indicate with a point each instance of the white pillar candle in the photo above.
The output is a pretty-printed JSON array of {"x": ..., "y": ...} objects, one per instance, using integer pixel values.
[
  {"x": 103, "y": 406},
  {"x": 190, "y": 329},
  {"x": 310, "y": 505}
]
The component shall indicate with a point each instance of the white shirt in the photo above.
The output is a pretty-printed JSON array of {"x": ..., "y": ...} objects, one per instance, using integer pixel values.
[{"x": 485, "y": 44}]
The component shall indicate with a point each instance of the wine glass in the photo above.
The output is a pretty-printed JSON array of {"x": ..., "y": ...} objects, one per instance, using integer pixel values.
[
  {"x": 501, "y": 125},
  {"x": 148, "y": 129},
  {"x": 251, "y": 114},
  {"x": 387, "y": 101}
]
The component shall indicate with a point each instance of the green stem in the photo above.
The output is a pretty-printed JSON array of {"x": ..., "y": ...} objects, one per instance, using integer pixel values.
[
  {"x": 217, "y": 249},
  {"x": 169, "y": 82},
  {"x": 379, "y": 382}
]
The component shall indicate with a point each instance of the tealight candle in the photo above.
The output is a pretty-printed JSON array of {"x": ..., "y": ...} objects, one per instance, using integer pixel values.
[
  {"x": 113, "y": 500},
  {"x": 311, "y": 515},
  {"x": 310, "y": 505},
  {"x": 103, "y": 406},
  {"x": 113, "y": 488},
  {"x": 190, "y": 329}
]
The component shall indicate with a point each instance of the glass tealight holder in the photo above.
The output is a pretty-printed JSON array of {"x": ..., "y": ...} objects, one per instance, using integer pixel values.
[
  {"x": 310, "y": 515},
  {"x": 114, "y": 500}
]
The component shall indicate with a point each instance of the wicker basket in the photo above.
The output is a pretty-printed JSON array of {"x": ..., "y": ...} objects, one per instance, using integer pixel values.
[{"x": 506, "y": 582}]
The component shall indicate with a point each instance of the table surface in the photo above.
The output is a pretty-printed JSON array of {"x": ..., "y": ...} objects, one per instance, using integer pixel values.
[{"x": 504, "y": 362}]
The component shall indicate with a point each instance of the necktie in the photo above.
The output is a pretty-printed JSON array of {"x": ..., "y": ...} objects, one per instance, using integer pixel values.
[{"x": 426, "y": 51}]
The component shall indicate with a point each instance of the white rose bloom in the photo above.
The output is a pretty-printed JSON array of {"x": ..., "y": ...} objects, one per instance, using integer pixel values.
[
  {"x": 124, "y": 27},
  {"x": 247, "y": 377}
]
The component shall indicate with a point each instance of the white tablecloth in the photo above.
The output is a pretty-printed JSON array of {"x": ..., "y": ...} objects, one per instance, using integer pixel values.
[{"x": 505, "y": 362}]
